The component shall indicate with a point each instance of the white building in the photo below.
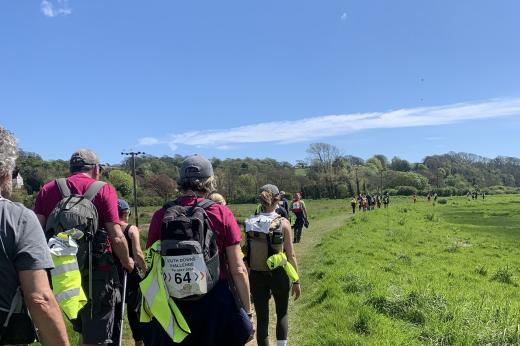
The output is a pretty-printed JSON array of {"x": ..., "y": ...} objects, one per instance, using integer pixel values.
[{"x": 18, "y": 182}]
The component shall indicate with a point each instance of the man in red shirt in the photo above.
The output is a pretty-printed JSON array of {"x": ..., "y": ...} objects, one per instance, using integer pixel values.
[{"x": 95, "y": 325}]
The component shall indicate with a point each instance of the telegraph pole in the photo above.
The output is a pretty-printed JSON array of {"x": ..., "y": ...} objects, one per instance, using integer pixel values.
[{"x": 133, "y": 155}]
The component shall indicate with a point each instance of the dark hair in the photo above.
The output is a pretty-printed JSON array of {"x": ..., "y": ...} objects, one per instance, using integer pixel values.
[{"x": 84, "y": 168}]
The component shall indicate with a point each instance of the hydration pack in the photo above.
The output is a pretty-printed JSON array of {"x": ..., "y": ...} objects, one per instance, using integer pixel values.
[
  {"x": 264, "y": 236},
  {"x": 191, "y": 264}
]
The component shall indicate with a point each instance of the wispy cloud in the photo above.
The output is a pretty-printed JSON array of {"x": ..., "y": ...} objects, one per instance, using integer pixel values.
[
  {"x": 344, "y": 16},
  {"x": 60, "y": 8},
  {"x": 321, "y": 127}
]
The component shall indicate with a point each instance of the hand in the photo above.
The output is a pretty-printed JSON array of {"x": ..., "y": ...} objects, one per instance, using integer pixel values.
[
  {"x": 141, "y": 263},
  {"x": 253, "y": 330},
  {"x": 129, "y": 265},
  {"x": 296, "y": 290}
]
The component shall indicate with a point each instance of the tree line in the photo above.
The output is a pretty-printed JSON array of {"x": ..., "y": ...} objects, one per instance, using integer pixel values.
[{"x": 325, "y": 173}]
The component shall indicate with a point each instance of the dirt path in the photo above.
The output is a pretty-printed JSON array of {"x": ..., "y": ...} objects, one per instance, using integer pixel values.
[{"x": 304, "y": 250}]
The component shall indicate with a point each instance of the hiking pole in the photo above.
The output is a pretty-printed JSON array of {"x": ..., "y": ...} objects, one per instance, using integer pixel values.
[{"x": 123, "y": 308}]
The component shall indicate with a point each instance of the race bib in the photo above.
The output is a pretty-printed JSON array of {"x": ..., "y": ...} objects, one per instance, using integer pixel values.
[
  {"x": 296, "y": 205},
  {"x": 185, "y": 275}
]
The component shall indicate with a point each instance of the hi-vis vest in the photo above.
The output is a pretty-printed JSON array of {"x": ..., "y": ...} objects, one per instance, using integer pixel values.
[
  {"x": 66, "y": 277},
  {"x": 157, "y": 302}
]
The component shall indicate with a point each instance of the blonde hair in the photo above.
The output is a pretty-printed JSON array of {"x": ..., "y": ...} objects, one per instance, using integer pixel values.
[
  {"x": 217, "y": 198},
  {"x": 267, "y": 199},
  {"x": 8, "y": 152},
  {"x": 200, "y": 185}
]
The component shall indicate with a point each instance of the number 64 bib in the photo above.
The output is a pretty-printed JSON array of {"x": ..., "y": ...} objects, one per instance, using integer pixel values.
[{"x": 185, "y": 275}]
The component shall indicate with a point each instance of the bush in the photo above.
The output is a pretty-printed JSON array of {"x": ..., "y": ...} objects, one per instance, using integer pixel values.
[
  {"x": 406, "y": 190},
  {"x": 442, "y": 201}
]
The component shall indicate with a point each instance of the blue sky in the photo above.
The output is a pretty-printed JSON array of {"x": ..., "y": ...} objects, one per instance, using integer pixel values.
[{"x": 261, "y": 78}]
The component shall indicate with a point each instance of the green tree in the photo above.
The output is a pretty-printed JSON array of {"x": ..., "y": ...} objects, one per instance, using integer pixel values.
[{"x": 121, "y": 181}]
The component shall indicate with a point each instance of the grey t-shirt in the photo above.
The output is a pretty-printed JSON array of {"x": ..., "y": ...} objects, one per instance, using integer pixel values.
[{"x": 22, "y": 247}]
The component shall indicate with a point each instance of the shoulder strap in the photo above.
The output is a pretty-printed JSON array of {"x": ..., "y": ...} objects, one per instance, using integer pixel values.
[
  {"x": 205, "y": 204},
  {"x": 63, "y": 187},
  {"x": 127, "y": 228},
  {"x": 93, "y": 189}
]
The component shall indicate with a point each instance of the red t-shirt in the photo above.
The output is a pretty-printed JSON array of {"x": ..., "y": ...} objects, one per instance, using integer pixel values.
[
  {"x": 220, "y": 219},
  {"x": 105, "y": 200}
]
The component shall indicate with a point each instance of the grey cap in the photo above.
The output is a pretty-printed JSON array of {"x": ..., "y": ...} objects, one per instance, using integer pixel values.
[
  {"x": 196, "y": 166},
  {"x": 83, "y": 157},
  {"x": 271, "y": 188}
]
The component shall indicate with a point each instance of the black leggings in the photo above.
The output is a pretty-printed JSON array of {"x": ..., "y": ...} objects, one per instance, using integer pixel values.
[{"x": 262, "y": 285}]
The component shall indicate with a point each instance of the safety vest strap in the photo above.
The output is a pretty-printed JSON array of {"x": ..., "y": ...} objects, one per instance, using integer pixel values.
[
  {"x": 159, "y": 303},
  {"x": 66, "y": 267},
  {"x": 67, "y": 294}
]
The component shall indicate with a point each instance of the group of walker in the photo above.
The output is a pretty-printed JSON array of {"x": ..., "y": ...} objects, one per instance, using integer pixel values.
[
  {"x": 367, "y": 202},
  {"x": 191, "y": 286}
]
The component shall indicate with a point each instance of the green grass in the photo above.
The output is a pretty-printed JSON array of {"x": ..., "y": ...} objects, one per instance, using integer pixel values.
[
  {"x": 414, "y": 275},
  {"x": 423, "y": 274}
]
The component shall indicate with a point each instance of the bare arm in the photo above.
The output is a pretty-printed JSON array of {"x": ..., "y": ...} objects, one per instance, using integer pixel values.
[
  {"x": 239, "y": 275},
  {"x": 136, "y": 247},
  {"x": 288, "y": 244},
  {"x": 120, "y": 245},
  {"x": 43, "y": 307}
]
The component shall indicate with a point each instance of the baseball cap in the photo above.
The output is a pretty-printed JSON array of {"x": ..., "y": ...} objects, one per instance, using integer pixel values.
[
  {"x": 271, "y": 188},
  {"x": 83, "y": 157},
  {"x": 122, "y": 205},
  {"x": 282, "y": 192},
  {"x": 196, "y": 166}
]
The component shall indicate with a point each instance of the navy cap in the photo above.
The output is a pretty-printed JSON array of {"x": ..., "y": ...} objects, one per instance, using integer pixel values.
[
  {"x": 122, "y": 205},
  {"x": 196, "y": 166}
]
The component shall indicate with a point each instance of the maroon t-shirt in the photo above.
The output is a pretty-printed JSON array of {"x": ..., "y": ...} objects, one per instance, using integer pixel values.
[
  {"x": 105, "y": 200},
  {"x": 220, "y": 219}
]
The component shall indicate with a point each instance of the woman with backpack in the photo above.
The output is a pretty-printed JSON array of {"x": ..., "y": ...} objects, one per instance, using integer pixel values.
[
  {"x": 204, "y": 308},
  {"x": 269, "y": 236}
]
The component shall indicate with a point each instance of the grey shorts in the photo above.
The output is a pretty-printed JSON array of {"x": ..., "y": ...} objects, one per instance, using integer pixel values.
[{"x": 95, "y": 321}]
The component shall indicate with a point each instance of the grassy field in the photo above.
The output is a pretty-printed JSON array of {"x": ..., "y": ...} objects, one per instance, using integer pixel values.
[
  {"x": 423, "y": 274},
  {"x": 414, "y": 275}
]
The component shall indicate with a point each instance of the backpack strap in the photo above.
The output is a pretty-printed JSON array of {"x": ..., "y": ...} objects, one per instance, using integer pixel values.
[
  {"x": 93, "y": 189},
  {"x": 205, "y": 204},
  {"x": 63, "y": 187}
]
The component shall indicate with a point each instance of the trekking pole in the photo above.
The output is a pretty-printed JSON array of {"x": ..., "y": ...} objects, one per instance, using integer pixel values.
[
  {"x": 123, "y": 308},
  {"x": 90, "y": 276}
]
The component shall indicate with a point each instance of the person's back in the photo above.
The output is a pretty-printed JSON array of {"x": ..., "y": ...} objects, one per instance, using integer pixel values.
[
  {"x": 213, "y": 318},
  {"x": 24, "y": 261},
  {"x": 99, "y": 272}
]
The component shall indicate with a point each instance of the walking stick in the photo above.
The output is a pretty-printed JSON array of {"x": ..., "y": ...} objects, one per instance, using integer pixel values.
[{"x": 123, "y": 309}]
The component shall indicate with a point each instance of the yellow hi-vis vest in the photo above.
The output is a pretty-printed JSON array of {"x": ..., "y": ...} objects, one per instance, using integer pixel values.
[
  {"x": 66, "y": 277},
  {"x": 157, "y": 301},
  {"x": 280, "y": 259}
]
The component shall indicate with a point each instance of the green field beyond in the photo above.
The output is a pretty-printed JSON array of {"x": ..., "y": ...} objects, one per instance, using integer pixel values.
[{"x": 444, "y": 274}]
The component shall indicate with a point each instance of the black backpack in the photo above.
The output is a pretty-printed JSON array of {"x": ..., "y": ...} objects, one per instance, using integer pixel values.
[{"x": 191, "y": 264}]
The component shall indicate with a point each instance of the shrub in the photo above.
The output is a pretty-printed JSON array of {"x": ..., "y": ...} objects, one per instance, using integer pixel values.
[
  {"x": 504, "y": 275},
  {"x": 406, "y": 190},
  {"x": 442, "y": 201}
]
